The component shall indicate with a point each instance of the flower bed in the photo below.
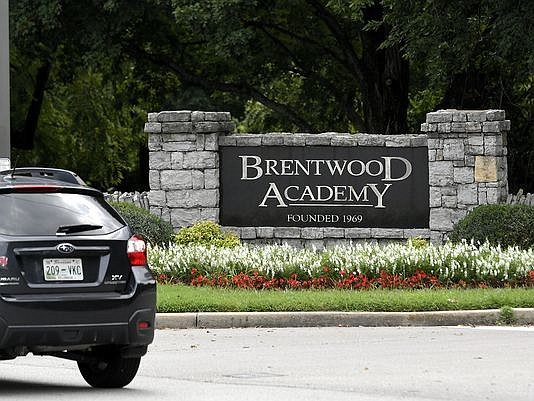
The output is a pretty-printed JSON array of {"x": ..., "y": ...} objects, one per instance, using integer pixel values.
[{"x": 361, "y": 266}]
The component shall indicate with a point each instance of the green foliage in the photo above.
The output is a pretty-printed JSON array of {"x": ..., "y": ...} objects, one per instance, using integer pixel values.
[
  {"x": 206, "y": 233},
  {"x": 85, "y": 128},
  {"x": 472, "y": 54},
  {"x": 278, "y": 54},
  {"x": 417, "y": 242},
  {"x": 141, "y": 221},
  {"x": 277, "y": 65},
  {"x": 506, "y": 316},
  {"x": 453, "y": 264},
  {"x": 183, "y": 298},
  {"x": 507, "y": 225}
]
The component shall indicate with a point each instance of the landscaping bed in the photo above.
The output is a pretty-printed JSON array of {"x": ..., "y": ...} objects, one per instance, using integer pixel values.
[
  {"x": 415, "y": 276},
  {"x": 414, "y": 265}
]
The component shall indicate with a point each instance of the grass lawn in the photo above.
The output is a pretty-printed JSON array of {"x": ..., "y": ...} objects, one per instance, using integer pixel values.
[{"x": 180, "y": 298}]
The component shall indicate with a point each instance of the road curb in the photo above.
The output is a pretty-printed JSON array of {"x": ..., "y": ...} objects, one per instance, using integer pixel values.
[{"x": 220, "y": 320}]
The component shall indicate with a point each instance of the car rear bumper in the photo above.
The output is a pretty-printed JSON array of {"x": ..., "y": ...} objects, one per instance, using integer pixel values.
[
  {"x": 76, "y": 335},
  {"x": 75, "y": 321}
]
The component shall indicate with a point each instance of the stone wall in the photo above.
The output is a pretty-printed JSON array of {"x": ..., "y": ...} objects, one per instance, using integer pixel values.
[
  {"x": 139, "y": 199},
  {"x": 467, "y": 164},
  {"x": 467, "y": 167},
  {"x": 184, "y": 164},
  {"x": 521, "y": 198}
]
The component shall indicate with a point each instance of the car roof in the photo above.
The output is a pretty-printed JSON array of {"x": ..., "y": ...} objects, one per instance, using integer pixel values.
[
  {"x": 9, "y": 184},
  {"x": 45, "y": 172}
]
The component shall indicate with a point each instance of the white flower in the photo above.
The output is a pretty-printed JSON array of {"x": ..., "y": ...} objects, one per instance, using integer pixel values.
[{"x": 447, "y": 260}]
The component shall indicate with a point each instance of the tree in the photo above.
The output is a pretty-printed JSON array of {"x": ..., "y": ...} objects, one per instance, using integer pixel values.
[
  {"x": 328, "y": 59},
  {"x": 66, "y": 112},
  {"x": 473, "y": 54},
  {"x": 84, "y": 129},
  {"x": 302, "y": 65},
  {"x": 39, "y": 39}
]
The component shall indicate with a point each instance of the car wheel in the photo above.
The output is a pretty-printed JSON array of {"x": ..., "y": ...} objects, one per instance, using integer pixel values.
[{"x": 110, "y": 371}]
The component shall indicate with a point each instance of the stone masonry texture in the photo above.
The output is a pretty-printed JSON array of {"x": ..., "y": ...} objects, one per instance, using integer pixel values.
[
  {"x": 184, "y": 164},
  {"x": 467, "y": 167},
  {"x": 467, "y": 152}
]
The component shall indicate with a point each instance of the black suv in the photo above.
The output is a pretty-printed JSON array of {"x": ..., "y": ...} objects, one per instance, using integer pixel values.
[{"x": 74, "y": 281}]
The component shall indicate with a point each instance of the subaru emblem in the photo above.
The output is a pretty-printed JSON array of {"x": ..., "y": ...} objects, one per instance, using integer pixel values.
[{"x": 65, "y": 248}]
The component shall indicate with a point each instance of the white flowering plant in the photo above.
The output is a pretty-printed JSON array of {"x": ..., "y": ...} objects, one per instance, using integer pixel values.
[{"x": 358, "y": 266}]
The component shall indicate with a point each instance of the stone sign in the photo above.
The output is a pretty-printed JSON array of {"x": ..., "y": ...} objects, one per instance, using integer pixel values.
[
  {"x": 323, "y": 189},
  {"x": 320, "y": 186}
]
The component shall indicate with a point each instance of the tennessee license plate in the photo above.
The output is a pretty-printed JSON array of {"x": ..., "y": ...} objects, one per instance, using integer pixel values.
[{"x": 63, "y": 269}]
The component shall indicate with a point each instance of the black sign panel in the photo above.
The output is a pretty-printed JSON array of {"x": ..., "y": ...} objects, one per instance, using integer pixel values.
[{"x": 323, "y": 186}]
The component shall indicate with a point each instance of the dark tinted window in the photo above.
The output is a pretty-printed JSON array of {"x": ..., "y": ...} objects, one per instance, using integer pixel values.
[{"x": 43, "y": 213}]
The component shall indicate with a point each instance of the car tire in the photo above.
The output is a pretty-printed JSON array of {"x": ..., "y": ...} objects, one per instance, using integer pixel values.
[{"x": 110, "y": 371}]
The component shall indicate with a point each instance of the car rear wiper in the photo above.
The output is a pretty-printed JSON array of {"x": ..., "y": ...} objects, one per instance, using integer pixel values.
[{"x": 76, "y": 228}]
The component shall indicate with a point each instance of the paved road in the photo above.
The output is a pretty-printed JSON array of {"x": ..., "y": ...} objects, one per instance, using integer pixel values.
[{"x": 304, "y": 364}]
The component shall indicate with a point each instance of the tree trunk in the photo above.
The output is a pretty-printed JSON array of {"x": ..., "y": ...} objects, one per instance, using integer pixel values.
[
  {"x": 24, "y": 139},
  {"x": 385, "y": 89},
  {"x": 469, "y": 90}
]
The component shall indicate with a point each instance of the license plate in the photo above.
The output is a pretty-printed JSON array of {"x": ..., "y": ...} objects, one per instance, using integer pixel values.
[{"x": 63, "y": 269}]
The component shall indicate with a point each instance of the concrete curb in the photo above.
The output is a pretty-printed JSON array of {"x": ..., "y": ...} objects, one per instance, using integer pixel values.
[{"x": 220, "y": 320}]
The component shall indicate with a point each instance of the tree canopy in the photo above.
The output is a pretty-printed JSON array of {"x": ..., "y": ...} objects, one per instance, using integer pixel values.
[{"x": 84, "y": 72}]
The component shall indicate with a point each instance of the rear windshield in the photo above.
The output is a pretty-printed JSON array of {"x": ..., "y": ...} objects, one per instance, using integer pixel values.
[{"x": 44, "y": 213}]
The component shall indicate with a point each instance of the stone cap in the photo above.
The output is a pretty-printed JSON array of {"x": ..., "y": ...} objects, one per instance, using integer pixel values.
[
  {"x": 186, "y": 121},
  {"x": 453, "y": 115},
  {"x": 452, "y": 121},
  {"x": 188, "y": 115},
  {"x": 323, "y": 139}
]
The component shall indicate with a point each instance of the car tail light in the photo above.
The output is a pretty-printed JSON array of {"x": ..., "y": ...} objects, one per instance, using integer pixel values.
[
  {"x": 36, "y": 188},
  {"x": 143, "y": 325},
  {"x": 3, "y": 261},
  {"x": 137, "y": 251}
]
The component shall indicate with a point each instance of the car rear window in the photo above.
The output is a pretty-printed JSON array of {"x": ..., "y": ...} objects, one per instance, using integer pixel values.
[{"x": 44, "y": 213}]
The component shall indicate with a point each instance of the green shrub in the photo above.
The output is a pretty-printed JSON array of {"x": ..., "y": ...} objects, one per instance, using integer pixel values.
[
  {"x": 206, "y": 233},
  {"x": 507, "y": 225},
  {"x": 506, "y": 316},
  {"x": 417, "y": 242},
  {"x": 141, "y": 221}
]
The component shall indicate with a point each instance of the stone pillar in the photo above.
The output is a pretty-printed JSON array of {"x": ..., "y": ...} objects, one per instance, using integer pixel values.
[
  {"x": 467, "y": 164},
  {"x": 184, "y": 164}
]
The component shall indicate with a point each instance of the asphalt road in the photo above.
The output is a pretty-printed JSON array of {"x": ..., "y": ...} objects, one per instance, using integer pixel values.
[{"x": 304, "y": 364}]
